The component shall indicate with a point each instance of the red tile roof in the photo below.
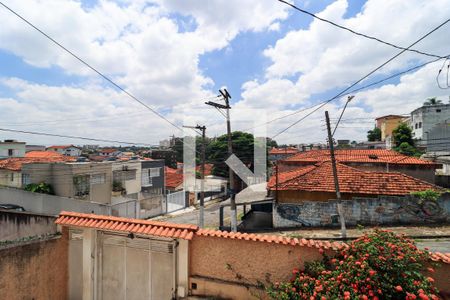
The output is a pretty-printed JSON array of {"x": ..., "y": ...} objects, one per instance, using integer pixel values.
[
  {"x": 15, "y": 163},
  {"x": 145, "y": 227},
  {"x": 319, "y": 178},
  {"x": 43, "y": 154},
  {"x": 438, "y": 256},
  {"x": 173, "y": 180},
  {"x": 272, "y": 239},
  {"x": 208, "y": 169},
  {"x": 359, "y": 156},
  {"x": 107, "y": 150},
  {"x": 288, "y": 150}
]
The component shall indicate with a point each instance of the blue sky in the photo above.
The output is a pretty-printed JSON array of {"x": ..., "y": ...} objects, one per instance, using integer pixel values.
[{"x": 174, "y": 54}]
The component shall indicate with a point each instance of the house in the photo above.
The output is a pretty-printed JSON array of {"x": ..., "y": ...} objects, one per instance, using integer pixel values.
[
  {"x": 12, "y": 148},
  {"x": 424, "y": 118},
  {"x": 316, "y": 183},
  {"x": 82, "y": 180},
  {"x": 281, "y": 153},
  {"x": 387, "y": 124},
  {"x": 11, "y": 174},
  {"x": 105, "y": 257},
  {"x": 367, "y": 159},
  {"x": 153, "y": 177},
  {"x": 126, "y": 176},
  {"x": 68, "y": 150},
  {"x": 108, "y": 152},
  {"x": 173, "y": 180},
  {"x": 438, "y": 139},
  {"x": 306, "y": 197}
]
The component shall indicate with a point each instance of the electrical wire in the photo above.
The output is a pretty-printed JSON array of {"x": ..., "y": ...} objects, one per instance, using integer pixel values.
[
  {"x": 361, "y": 79},
  {"x": 350, "y": 92},
  {"x": 74, "y": 137},
  {"x": 90, "y": 66},
  {"x": 439, "y": 73},
  {"x": 358, "y": 33}
]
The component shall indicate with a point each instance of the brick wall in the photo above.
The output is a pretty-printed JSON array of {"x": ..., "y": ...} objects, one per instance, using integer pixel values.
[
  {"x": 35, "y": 270},
  {"x": 366, "y": 211}
]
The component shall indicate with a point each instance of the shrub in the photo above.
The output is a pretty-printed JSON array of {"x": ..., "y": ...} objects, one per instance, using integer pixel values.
[
  {"x": 378, "y": 265},
  {"x": 43, "y": 188}
]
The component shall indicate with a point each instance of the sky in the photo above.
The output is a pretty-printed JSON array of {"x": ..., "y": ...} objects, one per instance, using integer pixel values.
[{"x": 175, "y": 55}]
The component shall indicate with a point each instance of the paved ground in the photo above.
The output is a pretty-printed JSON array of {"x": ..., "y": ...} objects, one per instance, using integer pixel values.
[
  {"x": 434, "y": 238},
  {"x": 190, "y": 216}
]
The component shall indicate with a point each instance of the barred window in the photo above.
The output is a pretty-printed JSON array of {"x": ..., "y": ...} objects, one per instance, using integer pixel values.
[{"x": 98, "y": 178}]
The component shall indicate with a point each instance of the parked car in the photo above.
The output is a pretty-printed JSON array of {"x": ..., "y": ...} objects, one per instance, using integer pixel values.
[{"x": 11, "y": 207}]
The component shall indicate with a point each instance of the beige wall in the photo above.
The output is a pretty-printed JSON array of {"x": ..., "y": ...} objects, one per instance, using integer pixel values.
[
  {"x": 35, "y": 271},
  {"x": 131, "y": 186},
  {"x": 60, "y": 176},
  {"x": 388, "y": 125},
  {"x": 7, "y": 175},
  {"x": 210, "y": 256}
]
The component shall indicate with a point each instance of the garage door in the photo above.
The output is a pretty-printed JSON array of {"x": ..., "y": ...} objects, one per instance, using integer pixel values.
[{"x": 135, "y": 269}]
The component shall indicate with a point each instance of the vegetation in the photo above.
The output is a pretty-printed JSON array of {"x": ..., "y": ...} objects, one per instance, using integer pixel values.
[
  {"x": 427, "y": 195},
  {"x": 378, "y": 265},
  {"x": 404, "y": 142},
  {"x": 432, "y": 101},
  {"x": 43, "y": 188},
  {"x": 374, "y": 135}
]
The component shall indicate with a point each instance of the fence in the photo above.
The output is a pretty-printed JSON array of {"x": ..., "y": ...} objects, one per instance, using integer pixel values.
[{"x": 176, "y": 201}]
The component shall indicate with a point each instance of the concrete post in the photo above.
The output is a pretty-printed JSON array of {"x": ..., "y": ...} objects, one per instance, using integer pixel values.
[{"x": 88, "y": 263}]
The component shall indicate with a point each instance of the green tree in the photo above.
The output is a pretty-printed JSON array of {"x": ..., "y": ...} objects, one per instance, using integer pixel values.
[
  {"x": 374, "y": 135},
  {"x": 404, "y": 142},
  {"x": 432, "y": 101},
  {"x": 217, "y": 151}
]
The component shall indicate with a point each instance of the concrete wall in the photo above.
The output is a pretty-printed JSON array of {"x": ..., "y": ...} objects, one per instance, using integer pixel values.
[
  {"x": 34, "y": 271},
  {"x": 10, "y": 178},
  {"x": 134, "y": 185},
  {"x": 429, "y": 116},
  {"x": 16, "y": 225},
  {"x": 216, "y": 263},
  {"x": 49, "y": 204},
  {"x": 370, "y": 211},
  {"x": 18, "y": 149}
]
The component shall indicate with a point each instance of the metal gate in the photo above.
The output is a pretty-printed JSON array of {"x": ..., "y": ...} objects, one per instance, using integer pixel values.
[
  {"x": 135, "y": 268},
  {"x": 176, "y": 201}
]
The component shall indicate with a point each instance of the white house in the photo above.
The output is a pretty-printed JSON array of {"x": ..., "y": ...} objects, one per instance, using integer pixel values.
[
  {"x": 67, "y": 150},
  {"x": 12, "y": 148},
  {"x": 424, "y": 118}
]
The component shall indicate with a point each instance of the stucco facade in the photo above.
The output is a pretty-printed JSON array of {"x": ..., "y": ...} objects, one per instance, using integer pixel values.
[
  {"x": 11, "y": 148},
  {"x": 387, "y": 124},
  {"x": 423, "y": 119}
]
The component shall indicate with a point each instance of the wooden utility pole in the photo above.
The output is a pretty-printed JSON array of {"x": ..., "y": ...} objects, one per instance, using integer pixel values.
[
  {"x": 336, "y": 182},
  {"x": 226, "y": 97},
  {"x": 201, "y": 219}
]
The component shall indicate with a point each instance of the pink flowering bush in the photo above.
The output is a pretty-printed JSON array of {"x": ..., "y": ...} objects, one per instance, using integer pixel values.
[{"x": 378, "y": 265}]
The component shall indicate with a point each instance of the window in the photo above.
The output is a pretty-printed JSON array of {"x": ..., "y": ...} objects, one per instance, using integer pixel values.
[
  {"x": 154, "y": 172},
  {"x": 146, "y": 179},
  {"x": 416, "y": 125},
  {"x": 11, "y": 177},
  {"x": 438, "y": 110},
  {"x": 98, "y": 178},
  {"x": 420, "y": 124},
  {"x": 26, "y": 179},
  {"x": 10, "y": 152},
  {"x": 81, "y": 185}
]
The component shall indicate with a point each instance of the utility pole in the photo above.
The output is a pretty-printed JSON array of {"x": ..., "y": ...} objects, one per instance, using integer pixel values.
[
  {"x": 336, "y": 182},
  {"x": 201, "y": 220},
  {"x": 226, "y": 97}
]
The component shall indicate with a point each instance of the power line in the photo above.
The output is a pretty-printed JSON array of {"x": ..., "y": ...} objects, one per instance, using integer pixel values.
[
  {"x": 350, "y": 92},
  {"x": 358, "y": 33},
  {"x": 73, "y": 137},
  {"x": 90, "y": 66},
  {"x": 361, "y": 79}
]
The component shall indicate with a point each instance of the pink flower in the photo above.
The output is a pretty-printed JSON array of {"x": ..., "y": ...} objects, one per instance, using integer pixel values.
[{"x": 398, "y": 288}]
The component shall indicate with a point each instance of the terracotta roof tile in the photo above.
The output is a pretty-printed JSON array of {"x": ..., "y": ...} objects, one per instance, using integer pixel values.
[
  {"x": 187, "y": 231},
  {"x": 173, "y": 180},
  {"x": 288, "y": 150},
  {"x": 126, "y": 225},
  {"x": 358, "y": 156},
  {"x": 319, "y": 178},
  {"x": 15, "y": 163}
]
